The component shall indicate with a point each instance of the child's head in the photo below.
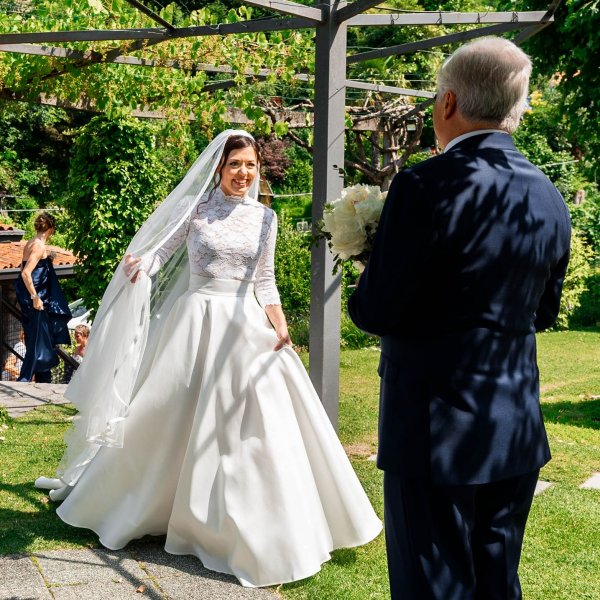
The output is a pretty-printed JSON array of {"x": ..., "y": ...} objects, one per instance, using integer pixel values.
[{"x": 81, "y": 333}]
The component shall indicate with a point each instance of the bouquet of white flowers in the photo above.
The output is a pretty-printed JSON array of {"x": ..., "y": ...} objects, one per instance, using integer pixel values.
[{"x": 349, "y": 224}]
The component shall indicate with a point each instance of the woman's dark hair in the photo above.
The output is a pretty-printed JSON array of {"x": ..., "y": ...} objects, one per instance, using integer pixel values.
[
  {"x": 235, "y": 142},
  {"x": 44, "y": 221}
]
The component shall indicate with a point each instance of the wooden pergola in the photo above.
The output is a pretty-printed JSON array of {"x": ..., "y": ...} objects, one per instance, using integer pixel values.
[{"x": 330, "y": 20}]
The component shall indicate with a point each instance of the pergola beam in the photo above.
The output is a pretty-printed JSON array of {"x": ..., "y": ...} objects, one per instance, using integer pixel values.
[
  {"x": 98, "y": 57},
  {"x": 529, "y": 32},
  {"x": 83, "y": 36},
  {"x": 447, "y": 18},
  {"x": 544, "y": 22},
  {"x": 375, "y": 87},
  {"x": 156, "y": 34},
  {"x": 150, "y": 13},
  {"x": 290, "y": 8},
  {"x": 357, "y": 7},
  {"x": 219, "y": 85},
  {"x": 434, "y": 42},
  {"x": 53, "y": 52}
]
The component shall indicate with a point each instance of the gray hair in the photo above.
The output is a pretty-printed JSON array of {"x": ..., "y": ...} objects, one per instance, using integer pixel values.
[{"x": 490, "y": 78}]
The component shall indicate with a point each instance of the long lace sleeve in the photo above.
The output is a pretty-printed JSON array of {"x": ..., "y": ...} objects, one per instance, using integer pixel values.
[
  {"x": 264, "y": 286},
  {"x": 152, "y": 263}
]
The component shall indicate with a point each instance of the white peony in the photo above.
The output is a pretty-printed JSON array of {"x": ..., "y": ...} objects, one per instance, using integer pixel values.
[
  {"x": 348, "y": 236},
  {"x": 349, "y": 222}
]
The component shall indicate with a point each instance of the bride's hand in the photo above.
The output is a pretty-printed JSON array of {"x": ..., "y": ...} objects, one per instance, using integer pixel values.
[
  {"x": 283, "y": 338},
  {"x": 131, "y": 266}
]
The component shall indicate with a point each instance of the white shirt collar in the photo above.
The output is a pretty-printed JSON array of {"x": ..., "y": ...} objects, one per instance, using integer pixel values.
[{"x": 464, "y": 136}]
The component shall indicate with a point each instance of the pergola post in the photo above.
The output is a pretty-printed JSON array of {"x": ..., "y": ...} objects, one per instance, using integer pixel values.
[{"x": 328, "y": 180}]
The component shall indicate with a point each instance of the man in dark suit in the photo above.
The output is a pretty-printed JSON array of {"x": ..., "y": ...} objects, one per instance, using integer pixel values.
[{"x": 468, "y": 263}]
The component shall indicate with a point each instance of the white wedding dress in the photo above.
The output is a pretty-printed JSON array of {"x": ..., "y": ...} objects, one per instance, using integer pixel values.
[{"x": 227, "y": 448}]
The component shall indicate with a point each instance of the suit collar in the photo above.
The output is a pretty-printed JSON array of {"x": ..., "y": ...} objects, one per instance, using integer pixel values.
[{"x": 484, "y": 139}]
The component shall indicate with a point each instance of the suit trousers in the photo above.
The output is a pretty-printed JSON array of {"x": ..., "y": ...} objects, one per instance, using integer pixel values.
[{"x": 457, "y": 542}]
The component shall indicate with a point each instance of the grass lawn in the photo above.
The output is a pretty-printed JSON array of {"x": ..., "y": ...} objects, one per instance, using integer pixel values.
[{"x": 560, "y": 557}]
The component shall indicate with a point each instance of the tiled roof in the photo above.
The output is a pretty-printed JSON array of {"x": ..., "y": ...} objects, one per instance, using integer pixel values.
[{"x": 11, "y": 254}]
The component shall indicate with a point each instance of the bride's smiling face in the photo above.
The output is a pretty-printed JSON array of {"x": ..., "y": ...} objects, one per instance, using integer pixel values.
[{"x": 239, "y": 171}]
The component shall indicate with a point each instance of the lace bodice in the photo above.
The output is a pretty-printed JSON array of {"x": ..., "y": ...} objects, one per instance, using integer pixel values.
[{"x": 227, "y": 238}]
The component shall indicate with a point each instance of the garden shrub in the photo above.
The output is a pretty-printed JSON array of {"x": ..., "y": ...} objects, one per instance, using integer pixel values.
[
  {"x": 297, "y": 180},
  {"x": 586, "y": 218},
  {"x": 292, "y": 268},
  {"x": 579, "y": 270},
  {"x": 115, "y": 181},
  {"x": 292, "y": 272},
  {"x": 587, "y": 314}
]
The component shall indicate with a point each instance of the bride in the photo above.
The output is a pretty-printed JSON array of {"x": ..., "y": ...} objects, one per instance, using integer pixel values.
[{"x": 196, "y": 418}]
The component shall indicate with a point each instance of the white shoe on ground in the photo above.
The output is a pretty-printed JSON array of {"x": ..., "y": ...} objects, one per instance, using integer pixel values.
[
  {"x": 47, "y": 483},
  {"x": 57, "y": 495}
]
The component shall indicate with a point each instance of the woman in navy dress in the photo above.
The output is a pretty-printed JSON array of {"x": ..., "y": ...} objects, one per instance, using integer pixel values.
[{"x": 43, "y": 305}]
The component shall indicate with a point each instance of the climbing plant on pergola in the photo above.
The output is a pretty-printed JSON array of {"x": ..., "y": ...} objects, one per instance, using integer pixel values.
[{"x": 330, "y": 20}]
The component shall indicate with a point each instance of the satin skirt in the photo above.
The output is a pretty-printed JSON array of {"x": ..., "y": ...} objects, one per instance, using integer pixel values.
[{"x": 228, "y": 451}]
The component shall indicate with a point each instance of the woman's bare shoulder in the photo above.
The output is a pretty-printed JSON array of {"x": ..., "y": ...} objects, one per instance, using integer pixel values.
[{"x": 34, "y": 248}]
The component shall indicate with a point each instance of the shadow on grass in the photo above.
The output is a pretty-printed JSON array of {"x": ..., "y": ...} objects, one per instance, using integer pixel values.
[
  {"x": 23, "y": 532},
  {"x": 42, "y": 422},
  {"x": 585, "y": 413},
  {"x": 579, "y": 327},
  {"x": 343, "y": 556},
  {"x": 36, "y": 523}
]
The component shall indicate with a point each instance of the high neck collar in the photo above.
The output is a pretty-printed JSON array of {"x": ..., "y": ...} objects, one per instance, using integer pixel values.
[{"x": 236, "y": 199}]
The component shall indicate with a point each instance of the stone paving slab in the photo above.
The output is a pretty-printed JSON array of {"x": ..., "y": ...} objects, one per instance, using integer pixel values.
[
  {"x": 542, "y": 486},
  {"x": 21, "y": 580},
  {"x": 21, "y": 397},
  {"x": 102, "y": 591},
  {"x": 84, "y": 567},
  {"x": 593, "y": 483},
  {"x": 184, "y": 577},
  {"x": 132, "y": 574}
]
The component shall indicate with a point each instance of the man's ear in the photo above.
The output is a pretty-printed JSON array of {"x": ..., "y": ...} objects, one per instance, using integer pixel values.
[{"x": 450, "y": 105}]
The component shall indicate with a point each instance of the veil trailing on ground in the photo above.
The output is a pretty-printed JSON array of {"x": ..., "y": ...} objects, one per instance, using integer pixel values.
[{"x": 130, "y": 318}]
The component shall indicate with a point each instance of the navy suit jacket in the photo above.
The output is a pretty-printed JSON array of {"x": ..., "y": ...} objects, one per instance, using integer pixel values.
[{"x": 468, "y": 263}]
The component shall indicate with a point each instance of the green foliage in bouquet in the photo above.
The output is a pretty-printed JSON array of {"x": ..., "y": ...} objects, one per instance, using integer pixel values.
[{"x": 115, "y": 181}]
